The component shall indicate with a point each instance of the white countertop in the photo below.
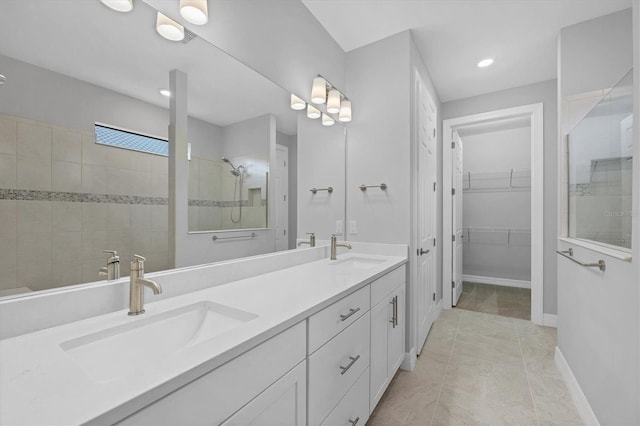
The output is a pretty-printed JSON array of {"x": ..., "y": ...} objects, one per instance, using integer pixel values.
[{"x": 41, "y": 384}]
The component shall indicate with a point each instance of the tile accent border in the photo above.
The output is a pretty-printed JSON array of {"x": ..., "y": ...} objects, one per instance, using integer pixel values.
[
  {"x": 79, "y": 197},
  {"x": 213, "y": 203}
]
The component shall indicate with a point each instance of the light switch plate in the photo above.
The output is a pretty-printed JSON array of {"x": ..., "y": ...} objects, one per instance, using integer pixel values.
[
  {"x": 353, "y": 227},
  {"x": 339, "y": 227}
]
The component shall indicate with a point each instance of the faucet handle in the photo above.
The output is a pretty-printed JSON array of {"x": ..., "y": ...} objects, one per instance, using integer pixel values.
[
  {"x": 311, "y": 233},
  {"x": 137, "y": 264},
  {"x": 114, "y": 255},
  {"x": 138, "y": 258}
]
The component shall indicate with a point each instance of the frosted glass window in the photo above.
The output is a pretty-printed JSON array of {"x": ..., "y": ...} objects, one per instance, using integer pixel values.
[
  {"x": 600, "y": 170},
  {"x": 128, "y": 140}
]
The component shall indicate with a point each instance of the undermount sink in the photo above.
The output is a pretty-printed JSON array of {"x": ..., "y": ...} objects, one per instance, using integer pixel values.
[
  {"x": 356, "y": 262},
  {"x": 119, "y": 351}
]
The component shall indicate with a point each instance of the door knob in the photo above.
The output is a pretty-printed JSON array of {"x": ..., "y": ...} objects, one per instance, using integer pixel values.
[{"x": 421, "y": 251}]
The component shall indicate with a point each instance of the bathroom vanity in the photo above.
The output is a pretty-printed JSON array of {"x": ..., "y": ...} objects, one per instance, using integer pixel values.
[{"x": 313, "y": 343}]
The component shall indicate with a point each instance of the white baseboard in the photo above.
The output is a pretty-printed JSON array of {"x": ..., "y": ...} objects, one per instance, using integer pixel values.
[
  {"x": 550, "y": 320},
  {"x": 496, "y": 281},
  {"x": 409, "y": 361},
  {"x": 582, "y": 404}
]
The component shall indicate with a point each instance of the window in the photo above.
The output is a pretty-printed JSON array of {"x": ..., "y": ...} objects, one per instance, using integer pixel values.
[{"x": 128, "y": 140}]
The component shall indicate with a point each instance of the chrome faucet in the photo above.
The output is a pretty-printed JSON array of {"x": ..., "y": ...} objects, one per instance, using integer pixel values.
[
  {"x": 137, "y": 283},
  {"x": 335, "y": 244},
  {"x": 312, "y": 240},
  {"x": 112, "y": 270}
]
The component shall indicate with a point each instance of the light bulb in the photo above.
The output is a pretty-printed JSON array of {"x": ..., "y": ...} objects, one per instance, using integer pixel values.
[
  {"x": 333, "y": 101},
  {"x": 165, "y": 92},
  {"x": 327, "y": 121},
  {"x": 319, "y": 91},
  {"x": 119, "y": 5},
  {"x": 168, "y": 28},
  {"x": 313, "y": 112},
  {"x": 345, "y": 111},
  {"x": 297, "y": 103},
  {"x": 485, "y": 63},
  {"x": 195, "y": 11}
]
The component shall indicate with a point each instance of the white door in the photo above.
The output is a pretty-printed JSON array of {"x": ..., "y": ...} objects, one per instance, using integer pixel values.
[
  {"x": 456, "y": 179},
  {"x": 282, "y": 197},
  {"x": 426, "y": 214}
]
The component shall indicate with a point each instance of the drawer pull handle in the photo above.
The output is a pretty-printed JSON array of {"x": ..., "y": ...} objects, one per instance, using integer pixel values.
[
  {"x": 353, "y": 361},
  {"x": 351, "y": 312},
  {"x": 354, "y": 422},
  {"x": 394, "y": 319}
]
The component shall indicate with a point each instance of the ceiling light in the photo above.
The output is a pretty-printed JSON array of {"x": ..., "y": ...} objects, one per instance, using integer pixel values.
[
  {"x": 313, "y": 112},
  {"x": 297, "y": 103},
  {"x": 319, "y": 90},
  {"x": 333, "y": 101},
  {"x": 119, "y": 5},
  {"x": 3, "y": 79},
  {"x": 194, "y": 11},
  {"x": 485, "y": 63},
  {"x": 165, "y": 92},
  {"x": 327, "y": 120},
  {"x": 345, "y": 111},
  {"x": 168, "y": 28}
]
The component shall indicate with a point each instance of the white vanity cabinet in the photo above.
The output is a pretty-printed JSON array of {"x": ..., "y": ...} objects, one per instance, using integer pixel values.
[
  {"x": 387, "y": 331},
  {"x": 260, "y": 386}
]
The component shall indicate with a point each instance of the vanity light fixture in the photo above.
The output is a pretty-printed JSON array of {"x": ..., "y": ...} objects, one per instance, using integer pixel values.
[
  {"x": 345, "y": 111},
  {"x": 333, "y": 101},
  {"x": 3, "y": 79},
  {"x": 195, "y": 11},
  {"x": 119, "y": 5},
  {"x": 168, "y": 28},
  {"x": 319, "y": 90},
  {"x": 297, "y": 103},
  {"x": 165, "y": 92},
  {"x": 485, "y": 63},
  {"x": 313, "y": 112},
  {"x": 327, "y": 120}
]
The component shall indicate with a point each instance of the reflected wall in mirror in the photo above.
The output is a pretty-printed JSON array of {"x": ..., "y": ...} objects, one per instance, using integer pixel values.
[{"x": 600, "y": 170}]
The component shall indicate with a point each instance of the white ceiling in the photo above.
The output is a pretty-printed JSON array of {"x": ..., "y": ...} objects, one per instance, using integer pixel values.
[
  {"x": 122, "y": 52},
  {"x": 453, "y": 35}
]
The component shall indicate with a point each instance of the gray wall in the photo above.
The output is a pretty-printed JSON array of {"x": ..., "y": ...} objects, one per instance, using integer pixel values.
[
  {"x": 598, "y": 313},
  {"x": 545, "y": 92}
]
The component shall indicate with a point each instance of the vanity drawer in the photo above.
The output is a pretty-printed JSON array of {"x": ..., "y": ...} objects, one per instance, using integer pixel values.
[
  {"x": 353, "y": 410},
  {"x": 387, "y": 283},
  {"x": 335, "y": 318},
  {"x": 335, "y": 367}
]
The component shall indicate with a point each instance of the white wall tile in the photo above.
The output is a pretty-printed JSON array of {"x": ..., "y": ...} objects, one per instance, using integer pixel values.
[
  {"x": 9, "y": 246},
  {"x": 8, "y": 217},
  {"x": 93, "y": 244},
  {"x": 8, "y": 171},
  {"x": 66, "y": 145},
  {"x": 8, "y": 135},
  {"x": 140, "y": 216},
  {"x": 159, "y": 186},
  {"x": 140, "y": 241},
  {"x": 34, "y": 141},
  {"x": 34, "y": 260},
  {"x": 160, "y": 217},
  {"x": 66, "y": 247},
  {"x": 94, "y": 217},
  {"x": 34, "y": 216},
  {"x": 65, "y": 273},
  {"x": 94, "y": 179},
  {"x": 118, "y": 217},
  {"x": 92, "y": 153},
  {"x": 140, "y": 183},
  {"x": 66, "y": 216},
  {"x": 34, "y": 173},
  {"x": 118, "y": 181},
  {"x": 141, "y": 162},
  {"x": 119, "y": 158},
  {"x": 66, "y": 176}
]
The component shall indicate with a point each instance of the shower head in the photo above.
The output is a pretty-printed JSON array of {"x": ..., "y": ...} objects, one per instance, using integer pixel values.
[{"x": 235, "y": 170}]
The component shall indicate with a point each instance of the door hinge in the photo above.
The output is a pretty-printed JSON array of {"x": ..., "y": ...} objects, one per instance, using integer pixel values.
[
  {"x": 453, "y": 191},
  {"x": 285, "y": 197},
  {"x": 453, "y": 145},
  {"x": 285, "y": 163},
  {"x": 434, "y": 186},
  {"x": 434, "y": 132},
  {"x": 453, "y": 284},
  {"x": 434, "y": 297},
  {"x": 434, "y": 242},
  {"x": 453, "y": 238},
  {"x": 284, "y": 231}
]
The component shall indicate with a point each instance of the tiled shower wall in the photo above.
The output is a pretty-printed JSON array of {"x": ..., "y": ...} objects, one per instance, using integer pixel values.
[{"x": 64, "y": 199}]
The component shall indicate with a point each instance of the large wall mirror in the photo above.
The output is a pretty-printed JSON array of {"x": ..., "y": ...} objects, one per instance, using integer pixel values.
[{"x": 67, "y": 195}]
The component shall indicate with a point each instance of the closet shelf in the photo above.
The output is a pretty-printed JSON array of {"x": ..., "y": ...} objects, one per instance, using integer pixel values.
[
  {"x": 497, "y": 236},
  {"x": 496, "y": 180}
]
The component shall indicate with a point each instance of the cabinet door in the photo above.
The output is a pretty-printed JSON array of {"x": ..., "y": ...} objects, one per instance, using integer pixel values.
[
  {"x": 283, "y": 403},
  {"x": 379, "y": 377},
  {"x": 396, "y": 333}
]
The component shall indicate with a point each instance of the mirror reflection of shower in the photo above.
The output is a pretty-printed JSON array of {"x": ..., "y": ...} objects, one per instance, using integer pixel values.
[{"x": 238, "y": 172}]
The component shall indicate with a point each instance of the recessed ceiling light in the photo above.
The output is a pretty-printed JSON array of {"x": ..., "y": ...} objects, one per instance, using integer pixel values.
[
  {"x": 119, "y": 5},
  {"x": 485, "y": 63},
  {"x": 165, "y": 92}
]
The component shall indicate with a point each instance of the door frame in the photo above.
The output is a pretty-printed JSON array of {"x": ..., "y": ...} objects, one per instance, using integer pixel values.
[
  {"x": 280, "y": 211},
  {"x": 535, "y": 113}
]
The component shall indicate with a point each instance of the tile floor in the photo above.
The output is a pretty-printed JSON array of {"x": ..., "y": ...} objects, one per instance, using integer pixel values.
[
  {"x": 496, "y": 299},
  {"x": 480, "y": 369}
]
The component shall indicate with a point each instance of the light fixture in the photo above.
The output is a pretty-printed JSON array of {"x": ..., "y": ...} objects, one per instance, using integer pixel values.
[
  {"x": 194, "y": 11},
  {"x": 313, "y": 112},
  {"x": 3, "y": 79},
  {"x": 165, "y": 92},
  {"x": 119, "y": 5},
  {"x": 319, "y": 90},
  {"x": 297, "y": 103},
  {"x": 327, "y": 120},
  {"x": 168, "y": 28},
  {"x": 345, "y": 111},
  {"x": 485, "y": 63},
  {"x": 333, "y": 101}
]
